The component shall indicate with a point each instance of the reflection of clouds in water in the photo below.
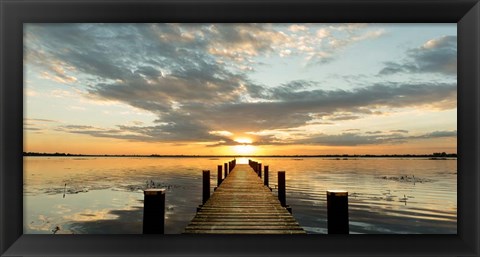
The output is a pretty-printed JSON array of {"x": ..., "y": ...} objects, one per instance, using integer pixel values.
[
  {"x": 114, "y": 201},
  {"x": 42, "y": 223},
  {"x": 62, "y": 209},
  {"x": 90, "y": 215}
]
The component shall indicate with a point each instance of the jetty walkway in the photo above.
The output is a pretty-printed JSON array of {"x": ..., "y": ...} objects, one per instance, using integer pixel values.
[{"x": 242, "y": 204}]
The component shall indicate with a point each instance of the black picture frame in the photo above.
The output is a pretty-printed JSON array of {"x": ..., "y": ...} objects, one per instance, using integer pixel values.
[{"x": 13, "y": 13}]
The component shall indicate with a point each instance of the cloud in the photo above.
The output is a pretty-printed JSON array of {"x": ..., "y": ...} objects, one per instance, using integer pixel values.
[
  {"x": 198, "y": 113},
  {"x": 324, "y": 43},
  {"x": 437, "y": 55},
  {"x": 437, "y": 134},
  {"x": 399, "y": 131},
  {"x": 296, "y": 28},
  {"x": 40, "y": 120},
  {"x": 183, "y": 74},
  {"x": 32, "y": 124},
  {"x": 355, "y": 139}
]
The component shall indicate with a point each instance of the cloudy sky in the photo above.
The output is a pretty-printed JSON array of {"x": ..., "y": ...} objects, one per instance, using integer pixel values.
[{"x": 240, "y": 88}]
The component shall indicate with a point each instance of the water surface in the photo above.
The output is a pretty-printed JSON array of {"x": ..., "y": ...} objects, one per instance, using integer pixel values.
[{"x": 104, "y": 195}]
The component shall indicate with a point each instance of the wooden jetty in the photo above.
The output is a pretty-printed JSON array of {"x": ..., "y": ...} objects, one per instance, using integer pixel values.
[{"x": 242, "y": 204}]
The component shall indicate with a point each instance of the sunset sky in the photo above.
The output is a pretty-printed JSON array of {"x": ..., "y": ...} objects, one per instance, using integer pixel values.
[{"x": 240, "y": 88}]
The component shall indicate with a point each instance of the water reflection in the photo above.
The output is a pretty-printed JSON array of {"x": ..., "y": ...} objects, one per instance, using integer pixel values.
[{"x": 104, "y": 195}]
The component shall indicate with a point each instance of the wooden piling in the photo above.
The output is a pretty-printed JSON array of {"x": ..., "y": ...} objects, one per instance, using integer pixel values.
[
  {"x": 265, "y": 180},
  {"x": 206, "y": 185},
  {"x": 219, "y": 175},
  {"x": 154, "y": 211},
  {"x": 337, "y": 212},
  {"x": 226, "y": 168},
  {"x": 282, "y": 197},
  {"x": 260, "y": 170}
]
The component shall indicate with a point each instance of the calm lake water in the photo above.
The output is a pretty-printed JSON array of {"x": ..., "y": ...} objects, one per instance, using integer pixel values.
[{"x": 105, "y": 195}]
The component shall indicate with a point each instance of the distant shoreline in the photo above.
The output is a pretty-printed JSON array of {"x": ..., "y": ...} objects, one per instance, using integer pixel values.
[{"x": 434, "y": 155}]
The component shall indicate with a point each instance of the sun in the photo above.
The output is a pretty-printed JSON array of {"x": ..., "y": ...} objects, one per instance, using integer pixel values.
[{"x": 244, "y": 149}]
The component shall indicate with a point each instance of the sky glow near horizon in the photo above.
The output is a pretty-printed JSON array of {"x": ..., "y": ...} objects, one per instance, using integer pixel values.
[{"x": 240, "y": 88}]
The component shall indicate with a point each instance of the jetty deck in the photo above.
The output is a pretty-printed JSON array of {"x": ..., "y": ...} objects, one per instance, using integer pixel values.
[{"x": 242, "y": 204}]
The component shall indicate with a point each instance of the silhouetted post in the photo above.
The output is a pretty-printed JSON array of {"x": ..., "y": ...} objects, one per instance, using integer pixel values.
[
  {"x": 265, "y": 180},
  {"x": 226, "y": 168},
  {"x": 154, "y": 211},
  {"x": 229, "y": 167},
  {"x": 260, "y": 170},
  {"x": 226, "y": 172},
  {"x": 281, "y": 188},
  {"x": 337, "y": 212},
  {"x": 219, "y": 175},
  {"x": 206, "y": 185}
]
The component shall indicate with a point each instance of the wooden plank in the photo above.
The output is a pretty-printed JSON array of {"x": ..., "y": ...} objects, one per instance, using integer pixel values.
[{"x": 242, "y": 204}]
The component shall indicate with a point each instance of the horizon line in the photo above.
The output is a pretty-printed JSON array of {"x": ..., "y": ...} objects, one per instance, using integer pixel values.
[{"x": 439, "y": 154}]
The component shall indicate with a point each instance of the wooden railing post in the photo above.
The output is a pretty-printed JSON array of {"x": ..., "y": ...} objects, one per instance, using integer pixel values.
[
  {"x": 206, "y": 186},
  {"x": 219, "y": 175},
  {"x": 337, "y": 212},
  {"x": 226, "y": 168},
  {"x": 154, "y": 211},
  {"x": 260, "y": 170},
  {"x": 265, "y": 179},
  {"x": 281, "y": 188}
]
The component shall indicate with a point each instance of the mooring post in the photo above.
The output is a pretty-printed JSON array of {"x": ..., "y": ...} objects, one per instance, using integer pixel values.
[
  {"x": 154, "y": 211},
  {"x": 226, "y": 173},
  {"x": 260, "y": 170},
  {"x": 206, "y": 185},
  {"x": 219, "y": 175},
  {"x": 337, "y": 212},
  {"x": 265, "y": 179},
  {"x": 226, "y": 167},
  {"x": 281, "y": 189}
]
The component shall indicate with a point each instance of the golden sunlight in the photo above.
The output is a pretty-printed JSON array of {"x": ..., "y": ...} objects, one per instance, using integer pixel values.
[
  {"x": 243, "y": 140},
  {"x": 244, "y": 149}
]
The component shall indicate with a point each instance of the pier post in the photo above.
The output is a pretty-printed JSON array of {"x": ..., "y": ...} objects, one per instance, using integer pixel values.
[
  {"x": 281, "y": 189},
  {"x": 226, "y": 168},
  {"x": 337, "y": 212},
  {"x": 260, "y": 170},
  {"x": 206, "y": 186},
  {"x": 265, "y": 179},
  {"x": 154, "y": 211},
  {"x": 219, "y": 175}
]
